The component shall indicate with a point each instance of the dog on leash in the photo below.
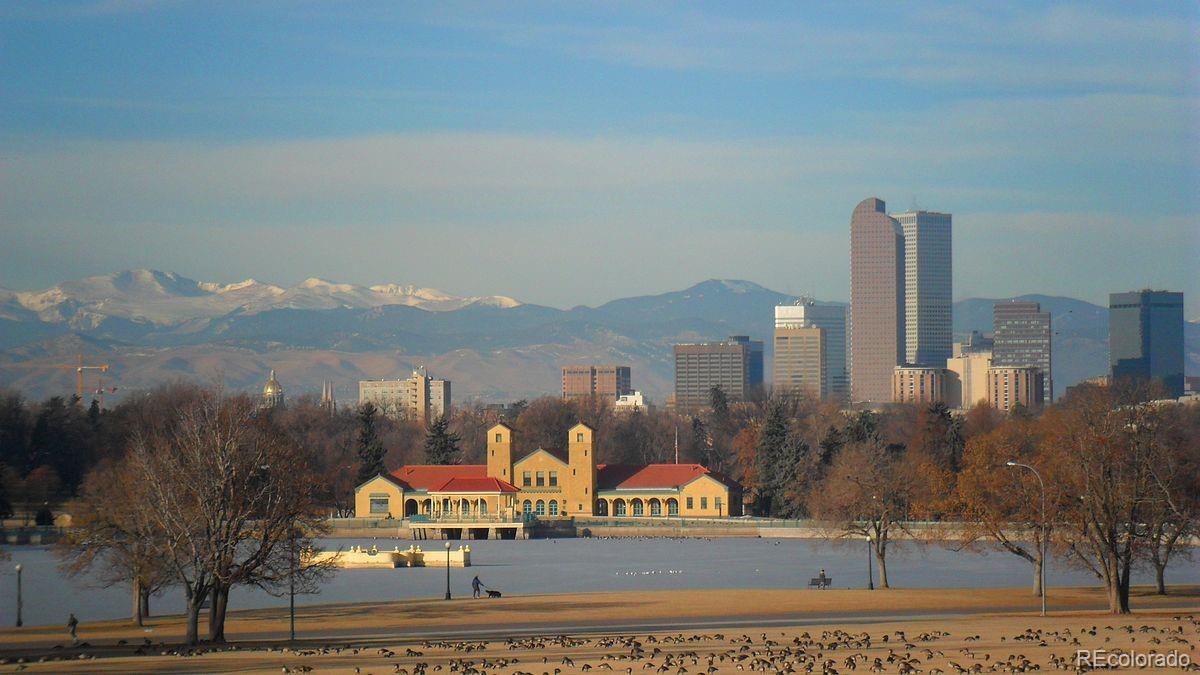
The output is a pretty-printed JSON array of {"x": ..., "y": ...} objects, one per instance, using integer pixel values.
[{"x": 493, "y": 594}]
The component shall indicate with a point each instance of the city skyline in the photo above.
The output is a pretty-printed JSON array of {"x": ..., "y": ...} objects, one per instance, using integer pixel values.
[{"x": 674, "y": 144}]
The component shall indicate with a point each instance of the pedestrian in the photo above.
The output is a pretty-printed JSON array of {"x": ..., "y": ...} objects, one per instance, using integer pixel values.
[
  {"x": 72, "y": 624},
  {"x": 475, "y": 584}
]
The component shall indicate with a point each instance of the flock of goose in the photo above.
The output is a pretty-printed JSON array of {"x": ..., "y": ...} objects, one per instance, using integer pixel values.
[{"x": 829, "y": 652}]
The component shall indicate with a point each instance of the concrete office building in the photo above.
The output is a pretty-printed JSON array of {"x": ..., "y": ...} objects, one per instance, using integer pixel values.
[
  {"x": 928, "y": 287},
  {"x": 610, "y": 382},
  {"x": 831, "y": 319},
  {"x": 1009, "y": 387},
  {"x": 966, "y": 376},
  {"x": 877, "y": 286},
  {"x": 918, "y": 384},
  {"x": 1145, "y": 338},
  {"x": 419, "y": 397},
  {"x": 735, "y": 365},
  {"x": 1022, "y": 338},
  {"x": 799, "y": 365}
]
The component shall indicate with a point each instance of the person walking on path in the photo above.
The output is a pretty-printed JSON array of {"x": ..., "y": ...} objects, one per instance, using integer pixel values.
[
  {"x": 475, "y": 584},
  {"x": 72, "y": 624}
]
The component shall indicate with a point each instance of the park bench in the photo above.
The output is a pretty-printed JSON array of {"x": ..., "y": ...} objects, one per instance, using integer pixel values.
[{"x": 820, "y": 582}]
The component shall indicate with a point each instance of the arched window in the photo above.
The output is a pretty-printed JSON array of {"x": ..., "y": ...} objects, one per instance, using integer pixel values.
[
  {"x": 553, "y": 508},
  {"x": 639, "y": 509},
  {"x": 672, "y": 507},
  {"x": 540, "y": 508},
  {"x": 602, "y": 507},
  {"x": 527, "y": 507},
  {"x": 619, "y": 507},
  {"x": 482, "y": 507},
  {"x": 655, "y": 508}
]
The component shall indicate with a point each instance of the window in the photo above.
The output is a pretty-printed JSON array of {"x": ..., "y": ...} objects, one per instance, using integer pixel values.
[
  {"x": 379, "y": 503},
  {"x": 655, "y": 508},
  {"x": 553, "y": 479},
  {"x": 579, "y": 437},
  {"x": 541, "y": 479},
  {"x": 672, "y": 507},
  {"x": 704, "y": 503},
  {"x": 525, "y": 479},
  {"x": 619, "y": 507},
  {"x": 540, "y": 509},
  {"x": 718, "y": 504},
  {"x": 483, "y": 508},
  {"x": 526, "y": 507},
  {"x": 499, "y": 438},
  {"x": 638, "y": 508},
  {"x": 689, "y": 504},
  {"x": 553, "y": 508}
]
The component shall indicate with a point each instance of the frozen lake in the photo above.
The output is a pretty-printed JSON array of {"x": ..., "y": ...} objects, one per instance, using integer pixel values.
[{"x": 571, "y": 565}]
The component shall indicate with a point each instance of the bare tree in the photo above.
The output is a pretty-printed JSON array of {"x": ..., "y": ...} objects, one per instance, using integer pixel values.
[
  {"x": 865, "y": 494},
  {"x": 113, "y": 537},
  {"x": 1000, "y": 504},
  {"x": 229, "y": 495},
  {"x": 1102, "y": 449}
]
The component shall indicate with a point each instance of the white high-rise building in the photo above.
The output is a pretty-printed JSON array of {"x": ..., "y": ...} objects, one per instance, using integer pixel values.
[
  {"x": 928, "y": 287},
  {"x": 831, "y": 319},
  {"x": 419, "y": 397}
]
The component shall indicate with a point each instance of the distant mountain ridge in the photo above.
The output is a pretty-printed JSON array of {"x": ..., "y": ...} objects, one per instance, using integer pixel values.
[
  {"x": 153, "y": 326},
  {"x": 165, "y": 298}
]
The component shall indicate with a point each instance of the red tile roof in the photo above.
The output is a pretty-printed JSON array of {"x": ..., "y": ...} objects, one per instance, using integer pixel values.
[
  {"x": 433, "y": 476},
  {"x": 488, "y": 484},
  {"x": 649, "y": 476}
]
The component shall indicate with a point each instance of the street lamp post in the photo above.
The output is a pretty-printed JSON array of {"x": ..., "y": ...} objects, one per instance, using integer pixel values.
[
  {"x": 447, "y": 570},
  {"x": 18, "y": 595},
  {"x": 1042, "y": 568}
]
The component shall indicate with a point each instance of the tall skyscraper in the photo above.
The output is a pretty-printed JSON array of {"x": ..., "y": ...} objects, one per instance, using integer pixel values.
[
  {"x": 1145, "y": 337},
  {"x": 928, "y": 287},
  {"x": 610, "y": 382},
  {"x": 877, "y": 274},
  {"x": 736, "y": 366},
  {"x": 831, "y": 319},
  {"x": 1021, "y": 338},
  {"x": 799, "y": 364}
]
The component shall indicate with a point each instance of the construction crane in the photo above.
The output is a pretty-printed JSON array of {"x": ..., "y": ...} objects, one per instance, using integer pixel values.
[{"x": 78, "y": 367}]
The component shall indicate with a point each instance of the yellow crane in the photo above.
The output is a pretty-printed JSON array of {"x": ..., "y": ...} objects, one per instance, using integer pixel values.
[{"x": 78, "y": 367}]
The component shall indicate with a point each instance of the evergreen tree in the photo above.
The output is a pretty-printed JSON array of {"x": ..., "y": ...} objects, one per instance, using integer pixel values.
[
  {"x": 720, "y": 430},
  {"x": 768, "y": 457},
  {"x": 441, "y": 445},
  {"x": 701, "y": 444},
  {"x": 832, "y": 443},
  {"x": 791, "y": 477},
  {"x": 93, "y": 415},
  {"x": 864, "y": 428},
  {"x": 942, "y": 436},
  {"x": 370, "y": 450}
]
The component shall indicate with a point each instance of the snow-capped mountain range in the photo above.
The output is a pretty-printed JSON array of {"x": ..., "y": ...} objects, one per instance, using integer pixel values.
[{"x": 166, "y": 298}]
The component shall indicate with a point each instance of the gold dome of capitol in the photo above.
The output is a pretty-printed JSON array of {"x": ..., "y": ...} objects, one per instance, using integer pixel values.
[{"x": 272, "y": 387}]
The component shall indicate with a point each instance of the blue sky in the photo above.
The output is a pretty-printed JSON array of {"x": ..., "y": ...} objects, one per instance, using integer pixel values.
[{"x": 571, "y": 153}]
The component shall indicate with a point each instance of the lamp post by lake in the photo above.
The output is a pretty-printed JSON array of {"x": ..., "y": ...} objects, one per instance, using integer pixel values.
[
  {"x": 1042, "y": 567},
  {"x": 447, "y": 570},
  {"x": 18, "y": 595}
]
